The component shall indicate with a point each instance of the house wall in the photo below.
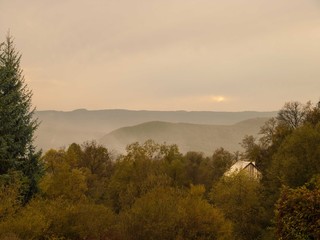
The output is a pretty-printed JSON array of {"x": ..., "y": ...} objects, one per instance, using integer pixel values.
[{"x": 252, "y": 171}]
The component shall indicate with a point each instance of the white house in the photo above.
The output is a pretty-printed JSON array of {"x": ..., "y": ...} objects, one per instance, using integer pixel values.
[{"x": 244, "y": 166}]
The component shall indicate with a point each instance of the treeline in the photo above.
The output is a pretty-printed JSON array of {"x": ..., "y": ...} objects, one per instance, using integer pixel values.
[{"x": 154, "y": 191}]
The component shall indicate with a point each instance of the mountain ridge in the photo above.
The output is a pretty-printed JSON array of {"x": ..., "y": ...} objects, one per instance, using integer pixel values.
[
  {"x": 61, "y": 128},
  {"x": 188, "y": 136}
]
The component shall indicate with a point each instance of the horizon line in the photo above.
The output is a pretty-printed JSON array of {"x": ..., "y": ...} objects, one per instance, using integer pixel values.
[{"x": 148, "y": 110}]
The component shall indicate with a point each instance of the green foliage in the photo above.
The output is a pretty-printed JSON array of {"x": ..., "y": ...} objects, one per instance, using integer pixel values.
[
  {"x": 61, "y": 181},
  {"x": 153, "y": 216},
  {"x": 167, "y": 213},
  {"x": 252, "y": 149},
  {"x": 297, "y": 159},
  {"x": 16, "y": 115},
  {"x": 221, "y": 162},
  {"x": 66, "y": 184},
  {"x": 298, "y": 212},
  {"x": 136, "y": 173},
  {"x": 95, "y": 161},
  {"x": 78, "y": 173},
  {"x": 293, "y": 114},
  {"x": 150, "y": 165},
  {"x": 287, "y": 151},
  {"x": 60, "y": 219},
  {"x": 95, "y": 157},
  {"x": 238, "y": 196},
  {"x": 193, "y": 161},
  {"x": 10, "y": 189},
  {"x": 200, "y": 220},
  {"x": 313, "y": 115}
]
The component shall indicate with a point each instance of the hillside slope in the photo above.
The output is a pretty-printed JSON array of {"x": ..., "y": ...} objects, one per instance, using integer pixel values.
[
  {"x": 58, "y": 129},
  {"x": 189, "y": 137}
]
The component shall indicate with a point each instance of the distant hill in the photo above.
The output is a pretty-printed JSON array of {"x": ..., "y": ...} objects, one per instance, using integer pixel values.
[
  {"x": 59, "y": 128},
  {"x": 189, "y": 137}
]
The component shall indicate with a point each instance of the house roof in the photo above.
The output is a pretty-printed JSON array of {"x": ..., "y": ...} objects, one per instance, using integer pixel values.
[{"x": 238, "y": 166}]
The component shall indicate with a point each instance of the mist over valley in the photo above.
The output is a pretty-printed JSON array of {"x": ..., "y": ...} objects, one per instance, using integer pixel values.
[{"x": 202, "y": 131}]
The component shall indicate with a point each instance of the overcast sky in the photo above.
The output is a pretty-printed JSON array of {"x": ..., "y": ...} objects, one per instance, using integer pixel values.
[{"x": 217, "y": 55}]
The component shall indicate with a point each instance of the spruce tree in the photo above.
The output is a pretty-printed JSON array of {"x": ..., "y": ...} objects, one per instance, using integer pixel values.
[{"x": 17, "y": 125}]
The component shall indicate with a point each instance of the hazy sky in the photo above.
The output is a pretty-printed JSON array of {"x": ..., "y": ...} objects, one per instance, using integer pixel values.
[{"x": 217, "y": 55}]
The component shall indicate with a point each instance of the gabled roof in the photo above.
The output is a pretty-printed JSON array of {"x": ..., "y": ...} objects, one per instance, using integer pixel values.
[{"x": 238, "y": 166}]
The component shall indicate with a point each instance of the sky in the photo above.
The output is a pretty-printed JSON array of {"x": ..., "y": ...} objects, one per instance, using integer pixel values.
[{"x": 195, "y": 55}]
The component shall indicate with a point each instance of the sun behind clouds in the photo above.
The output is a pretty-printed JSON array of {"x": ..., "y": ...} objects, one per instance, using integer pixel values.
[{"x": 218, "y": 99}]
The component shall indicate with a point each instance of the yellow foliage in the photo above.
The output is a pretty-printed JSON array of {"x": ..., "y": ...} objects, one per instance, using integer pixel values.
[{"x": 59, "y": 219}]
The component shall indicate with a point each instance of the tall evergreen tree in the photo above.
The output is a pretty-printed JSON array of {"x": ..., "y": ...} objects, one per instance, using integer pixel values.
[{"x": 17, "y": 125}]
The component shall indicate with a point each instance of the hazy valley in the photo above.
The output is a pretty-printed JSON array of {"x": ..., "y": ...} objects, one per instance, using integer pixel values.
[{"x": 199, "y": 131}]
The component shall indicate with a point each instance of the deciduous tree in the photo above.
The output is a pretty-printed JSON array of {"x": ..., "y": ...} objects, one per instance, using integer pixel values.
[
  {"x": 238, "y": 197},
  {"x": 298, "y": 212}
]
